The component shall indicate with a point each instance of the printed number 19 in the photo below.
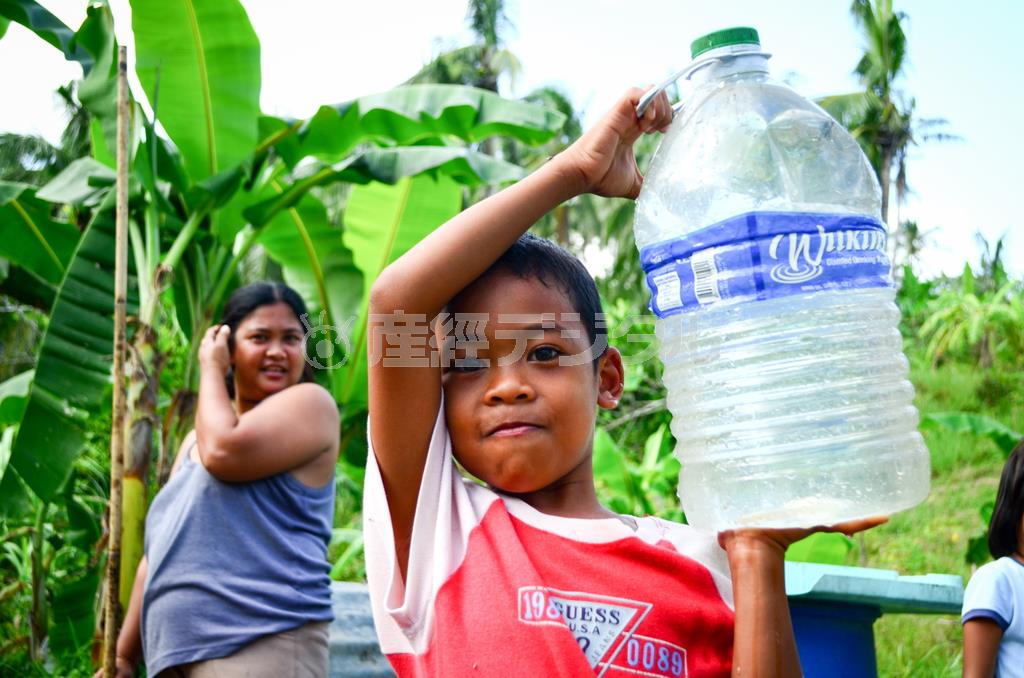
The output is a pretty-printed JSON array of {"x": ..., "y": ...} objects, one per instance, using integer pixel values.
[{"x": 534, "y": 608}]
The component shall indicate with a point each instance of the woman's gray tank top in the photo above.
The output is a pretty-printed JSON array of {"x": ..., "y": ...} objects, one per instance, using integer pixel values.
[{"x": 232, "y": 562}]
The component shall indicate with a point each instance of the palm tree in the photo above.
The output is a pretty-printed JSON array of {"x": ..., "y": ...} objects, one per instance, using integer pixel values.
[
  {"x": 483, "y": 62},
  {"x": 993, "y": 271},
  {"x": 909, "y": 241},
  {"x": 888, "y": 128},
  {"x": 880, "y": 117},
  {"x": 31, "y": 159}
]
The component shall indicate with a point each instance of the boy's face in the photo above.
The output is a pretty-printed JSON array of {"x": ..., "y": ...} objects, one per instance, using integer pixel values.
[{"x": 521, "y": 414}]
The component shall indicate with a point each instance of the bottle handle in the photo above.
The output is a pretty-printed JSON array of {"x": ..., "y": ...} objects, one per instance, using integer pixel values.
[{"x": 686, "y": 74}]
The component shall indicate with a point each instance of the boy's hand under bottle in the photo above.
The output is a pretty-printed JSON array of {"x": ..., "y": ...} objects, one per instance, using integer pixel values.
[
  {"x": 755, "y": 540},
  {"x": 602, "y": 160}
]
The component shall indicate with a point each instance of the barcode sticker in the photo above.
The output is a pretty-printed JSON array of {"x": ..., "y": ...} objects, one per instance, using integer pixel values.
[
  {"x": 667, "y": 285},
  {"x": 705, "y": 277}
]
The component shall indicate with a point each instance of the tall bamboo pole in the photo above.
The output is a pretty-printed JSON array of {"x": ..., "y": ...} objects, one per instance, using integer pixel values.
[{"x": 112, "y": 608}]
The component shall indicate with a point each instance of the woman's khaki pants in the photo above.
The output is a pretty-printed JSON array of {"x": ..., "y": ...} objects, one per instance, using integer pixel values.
[{"x": 298, "y": 653}]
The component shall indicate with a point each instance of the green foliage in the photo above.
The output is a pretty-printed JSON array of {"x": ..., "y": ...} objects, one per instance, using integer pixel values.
[
  {"x": 51, "y": 576},
  {"x": 310, "y": 251},
  {"x": 72, "y": 372},
  {"x": 32, "y": 239},
  {"x": 980, "y": 426},
  {"x": 414, "y": 114},
  {"x": 638, "y": 482},
  {"x": 913, "y": 297},
  {"x": 642, "y": 410},
  {"x": 21, "y": 329},
  {"x": 988, "y": 326},
  {"x": 479, "y": 64},
  {"x": 201, "y": 62},
  {"x": 829, "y": 548},
  {"x": 382, "y": 223}
]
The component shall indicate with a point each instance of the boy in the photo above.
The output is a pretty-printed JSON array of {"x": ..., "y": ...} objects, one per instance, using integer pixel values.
[{"x": 529, "y": 575}]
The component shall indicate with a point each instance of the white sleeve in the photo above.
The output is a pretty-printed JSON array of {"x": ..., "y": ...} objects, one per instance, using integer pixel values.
[
  {"x": 989, "y": 594},
  {"x": 447, "y": 510},
  {"x": 702, "y": 547}
]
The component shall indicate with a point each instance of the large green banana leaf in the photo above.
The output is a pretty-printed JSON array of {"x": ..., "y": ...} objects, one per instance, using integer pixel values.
[
  {"x": 383, "y": 222},
  {"x": 205, "y": 59},
  {"x": 98, "y": 89},
  {"x": 29, "y": 237},
  {"x": 13, "y": 396},
  {"x": 409, "y": 114},
  {"x": 72, "y": 376},
  {"x": 85, "y": 182},
  {"x": 317, "y": 264},
  {"x": 14, "y": 496},
  {"x": 386, "y": 165},
  {"x": 43, "y": 23},
  {"x": 1004, "y": 437},
  {"x": 389, "y": 165}
]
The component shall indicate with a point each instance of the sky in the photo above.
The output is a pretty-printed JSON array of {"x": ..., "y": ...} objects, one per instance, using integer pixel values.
[{"x": 963, "y": 66}]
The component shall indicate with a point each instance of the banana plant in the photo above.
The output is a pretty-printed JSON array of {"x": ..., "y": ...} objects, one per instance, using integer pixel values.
[
  {"x": 226, "y": 180},
  {"x": 986, "y": 323}
]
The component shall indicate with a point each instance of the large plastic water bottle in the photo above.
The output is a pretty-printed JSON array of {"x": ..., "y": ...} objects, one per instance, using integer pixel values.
[{"x": 759, "y": 233}]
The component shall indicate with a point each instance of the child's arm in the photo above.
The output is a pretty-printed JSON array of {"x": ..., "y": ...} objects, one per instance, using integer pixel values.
[
  {"x": 764, "y": 645},
  {"x": 981, "y": 647},
  {"x": 404, "y": 401}
]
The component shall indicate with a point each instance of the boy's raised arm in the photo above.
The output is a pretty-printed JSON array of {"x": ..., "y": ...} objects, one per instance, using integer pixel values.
[{"x": 404, "y": 400}]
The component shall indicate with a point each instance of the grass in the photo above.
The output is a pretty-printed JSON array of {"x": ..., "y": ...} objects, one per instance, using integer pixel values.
[{"x": 932, "y": 537}]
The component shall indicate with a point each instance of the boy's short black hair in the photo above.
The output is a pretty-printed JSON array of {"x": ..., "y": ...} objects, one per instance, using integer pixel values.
[
  {"x": 1008, "y": 514},
  {"x": 535, "y": 257}
]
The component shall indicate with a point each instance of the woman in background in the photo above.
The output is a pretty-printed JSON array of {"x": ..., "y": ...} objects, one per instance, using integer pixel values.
[{"x": 235, "y": 579}]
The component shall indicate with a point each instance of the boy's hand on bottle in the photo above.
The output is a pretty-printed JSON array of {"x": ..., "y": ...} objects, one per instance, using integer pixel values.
[
  {"x": 754, "y": 541},
  {"x": 603, "y": 158}
]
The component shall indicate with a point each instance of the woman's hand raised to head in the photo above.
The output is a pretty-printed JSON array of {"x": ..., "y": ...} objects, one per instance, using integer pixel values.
[
  {"x": 603, "y": 158},
  {"x": 213, "y": 350}
]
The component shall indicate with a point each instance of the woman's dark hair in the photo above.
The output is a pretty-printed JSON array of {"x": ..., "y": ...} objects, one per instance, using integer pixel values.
[
  {"x": 247, "y": 299},
  {"x": 1004, "y": 528}
]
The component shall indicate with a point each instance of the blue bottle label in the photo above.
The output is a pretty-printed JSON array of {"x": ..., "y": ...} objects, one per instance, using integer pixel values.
[{"x": 765, "y": 255}]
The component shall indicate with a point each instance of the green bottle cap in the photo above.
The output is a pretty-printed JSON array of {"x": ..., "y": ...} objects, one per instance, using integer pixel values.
[{"x": 740, "y": 35}]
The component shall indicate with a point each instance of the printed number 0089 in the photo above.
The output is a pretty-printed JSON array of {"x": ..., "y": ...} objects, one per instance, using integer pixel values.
[{"x": 650, "y": 656}]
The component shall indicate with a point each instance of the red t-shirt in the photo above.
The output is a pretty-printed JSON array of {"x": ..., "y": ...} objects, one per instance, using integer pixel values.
[{"x": 496, "y": 588}]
